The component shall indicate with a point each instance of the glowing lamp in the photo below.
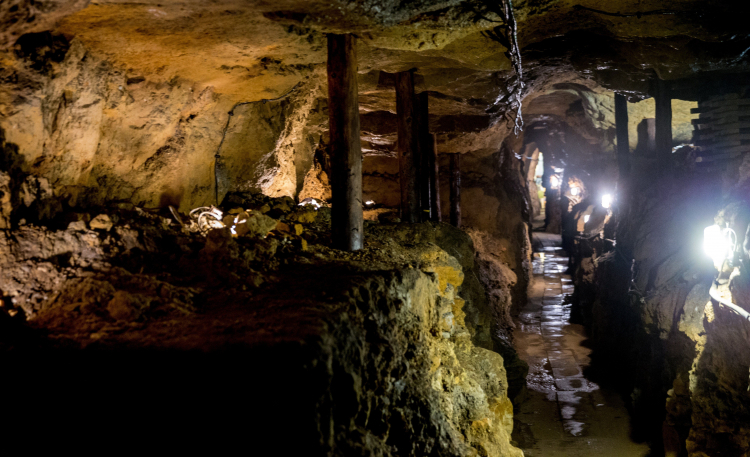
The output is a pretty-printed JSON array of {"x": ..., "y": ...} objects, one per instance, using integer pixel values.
[
  {"x": 719, "y": 244},
  {"x": 310, "y": 201},
  {"x": 575, "y": 190},
  {"x": 606, "y": 201},
  {"x": 554, "y": 181},
  {"x": 369, "y": 202},
  {"x": 586, "y": 219}
]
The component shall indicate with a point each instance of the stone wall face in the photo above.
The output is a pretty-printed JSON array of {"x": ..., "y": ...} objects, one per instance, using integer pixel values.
[
  {"x": 382, "y": 352},
  {"x": 98, "y": 133}
]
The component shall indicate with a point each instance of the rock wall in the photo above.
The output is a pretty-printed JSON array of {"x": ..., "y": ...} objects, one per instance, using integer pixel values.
[
  {"x": 100, "y": 132},
  {"x": 652, "y": 322},
  {"x": 495, "y": 201},
  {"x": 370, "y": 352}
]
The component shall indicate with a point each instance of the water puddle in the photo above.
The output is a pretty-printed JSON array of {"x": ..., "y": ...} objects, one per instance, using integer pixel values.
[{"x": 564, "y": 414}]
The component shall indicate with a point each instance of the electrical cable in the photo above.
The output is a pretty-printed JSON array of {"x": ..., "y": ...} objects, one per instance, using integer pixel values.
[
  {"x": 507, "y": 35},
  {"x": 714, "y": 293}
]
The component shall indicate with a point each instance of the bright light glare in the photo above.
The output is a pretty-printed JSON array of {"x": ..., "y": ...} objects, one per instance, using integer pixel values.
[
  {"x": 575, "y": 190},
  {"x": 718, "y": 243},
  {"x": 310, "y": 201},
  {"x": 369, "y": 202},
  {"x": 586, "y": 219},
  {"x": 554, "y": 181},
  {"x": 607, "y": 200}
]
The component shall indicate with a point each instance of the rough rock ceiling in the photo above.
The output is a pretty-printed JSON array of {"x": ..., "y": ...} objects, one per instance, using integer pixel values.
[
  {"x": 258, "y": 49},
  {"x": 158, "y": 77}
]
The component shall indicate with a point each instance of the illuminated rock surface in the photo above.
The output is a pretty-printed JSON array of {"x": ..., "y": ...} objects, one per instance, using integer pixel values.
[{"x": 118, "y": 118}]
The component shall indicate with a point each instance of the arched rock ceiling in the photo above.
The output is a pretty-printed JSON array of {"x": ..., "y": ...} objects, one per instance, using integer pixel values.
[
  {"x": 258, "y": 49},
  {"x": 249, "y": 50},
  {"x": 146, "y": 58}
]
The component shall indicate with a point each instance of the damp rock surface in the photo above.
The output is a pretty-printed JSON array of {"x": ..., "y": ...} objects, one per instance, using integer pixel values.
[
  {"x": 372, "y": 350},
  {"x": 646, "y": 303}
]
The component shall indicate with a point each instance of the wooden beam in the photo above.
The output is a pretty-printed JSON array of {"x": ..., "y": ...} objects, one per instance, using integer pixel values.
[
  {"x": 663, "y": 115},
  {"x": 434, "y": 173},
  {"x": 623, "y": 142},
  {"x": 455, "y": 186},
  {"x": 346, "y": 153},
  {"x": 422, "y": 130},
  {"x": 407, "y": 147}
]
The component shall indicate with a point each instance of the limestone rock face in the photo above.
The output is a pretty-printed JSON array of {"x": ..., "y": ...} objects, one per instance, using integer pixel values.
[
  {"x": 22, "y": 16},
  {"x": 377, "y": 342},
  {"x": 5, "y": 203}
]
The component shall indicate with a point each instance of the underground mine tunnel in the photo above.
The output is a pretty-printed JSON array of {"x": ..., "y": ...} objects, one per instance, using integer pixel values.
[{"x": 376, "y": 227}]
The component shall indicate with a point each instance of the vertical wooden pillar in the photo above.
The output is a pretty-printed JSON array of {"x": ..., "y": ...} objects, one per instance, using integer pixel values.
[
  {"x": 407, "y": 147},
  {"x": 346, "y": 153},
  {"x": 663, "y": 99},
  {"x": 422, "y": 128},
  {"x": 623, "y": 142},
  {"x": 434, "y": 172},
  {"x": 455, "y": 189}
]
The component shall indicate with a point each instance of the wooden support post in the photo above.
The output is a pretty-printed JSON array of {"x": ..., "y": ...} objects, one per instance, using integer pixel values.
[
  {"x": 434, "y": 172},
  {"x": 407, "y": 147},
  {"x": 622, "y": 194},
  {"x": 346, "y": 153},
  {"x": 663, "y": 99},
  {"x": 455, "y": 189},
  {"x": 422, "y": 130},
  {"x": 623, "y": 142}
]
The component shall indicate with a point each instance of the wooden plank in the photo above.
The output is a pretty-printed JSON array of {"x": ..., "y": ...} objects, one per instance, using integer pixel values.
[
  {"x": 434, "y": 170},
  {"x": 715, "y": 103},
  {"x": 716, "y": 117},
  {"x": 347, "y": 229},
  {"x": 719, "y": 127},
  {"x": 422, "y": 131},
  {"x": 407, "y": 147},
  {"x": 727, "y": 129},
  {"x": 701, "y": 109},
  {"x": 734, "y": 134},
  {"x": 455, "y": 187},
  {"x": 703, "y": 134},
  {"x": 719, "y": 144},
  {"x": 733, "y": 149},
  {"x": 621, "y": 127},
  {"x": 722, "y": 136},
  {"x": 663, "y": 123},
  {"x": 716, "y": 158}
]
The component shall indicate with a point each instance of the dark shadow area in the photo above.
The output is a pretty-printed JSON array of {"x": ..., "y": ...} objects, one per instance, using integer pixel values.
[{"x": 135, "y": 398}]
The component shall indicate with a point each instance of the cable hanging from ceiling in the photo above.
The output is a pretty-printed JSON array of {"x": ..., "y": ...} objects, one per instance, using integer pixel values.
[{"x": 507, "y": 35}]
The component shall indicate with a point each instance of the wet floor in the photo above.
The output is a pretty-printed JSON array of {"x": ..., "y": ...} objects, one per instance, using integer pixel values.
[{"x": 564, "y": 414}]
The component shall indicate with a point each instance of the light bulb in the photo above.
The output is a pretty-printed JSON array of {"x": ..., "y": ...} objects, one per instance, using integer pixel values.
[
  {"x": 575, "y": 190},
  {"x": 554, "y": 181},
  {"x": 718, "y": 243},
  {"x": 606, "y": 200}
]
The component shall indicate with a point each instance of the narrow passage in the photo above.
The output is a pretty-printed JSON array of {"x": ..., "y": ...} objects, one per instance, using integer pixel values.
[{"x": 564, "y": 414}]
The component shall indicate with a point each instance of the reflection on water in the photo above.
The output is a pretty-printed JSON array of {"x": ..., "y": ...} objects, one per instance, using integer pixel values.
[{"x": 565, "y": 414}]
